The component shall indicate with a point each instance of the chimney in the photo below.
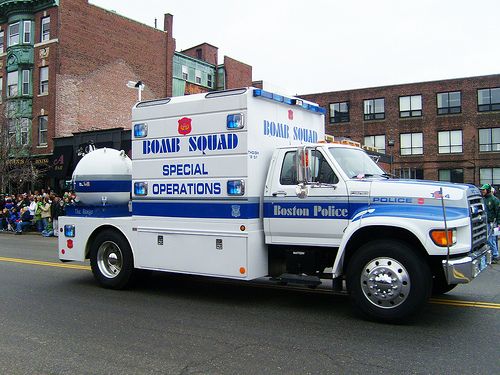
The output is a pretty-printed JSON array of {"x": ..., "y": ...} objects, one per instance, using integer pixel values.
[{"x": 168, "y": 24}]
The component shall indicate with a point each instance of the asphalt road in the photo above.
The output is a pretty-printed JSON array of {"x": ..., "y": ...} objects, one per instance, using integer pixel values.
[{"x": 58, "y": 321}]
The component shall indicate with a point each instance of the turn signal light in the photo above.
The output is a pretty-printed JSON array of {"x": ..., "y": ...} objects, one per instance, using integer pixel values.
[{"x": 442, "y": 238}]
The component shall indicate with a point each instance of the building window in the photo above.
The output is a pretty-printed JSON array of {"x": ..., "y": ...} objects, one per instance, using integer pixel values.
[
  {"x": 12, "y": 125},
  {"x": 449, "y": 102},
  {"x": 410, "y": 106},
  {"x": 44, "y": 80},
  {"x": 1, "y": 42},
  {"x": 374, "y": 109},
  {"x": 412, "y": 143},
  {"x": 209, "y": 80},
  {"x": 489, "y": 139},
  {"x": 185, "y": 74},
  {"x": 1, "y": 89},
  {"x": 25, "y": 129},
  {"x": 27, "y": 32},
  {"x": 339, "y": 112},
  {"x": 197, "y": 77},
  {"x": 26, "y": 82},
  {"x": 488, "y": 99},
  {"x": 42, "y": 130},
  {"x": 450, "y": 142},
  {"x": 451, "y": 175},
  {"x": 288, "y": 170},
  {"x": 410, "y": 173},
  {"x": 489, "y": 176},
  {"x": 377, "y": 141},
  {"x": 11, "y": 108},
  {"x": 14, "y": 34},
  {"x": 12, "y": 83},
  {"x": 45, "y": 29}
]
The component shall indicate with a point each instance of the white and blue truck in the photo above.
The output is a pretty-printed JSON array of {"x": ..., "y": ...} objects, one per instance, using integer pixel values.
[{"x": 240, "y": 184}]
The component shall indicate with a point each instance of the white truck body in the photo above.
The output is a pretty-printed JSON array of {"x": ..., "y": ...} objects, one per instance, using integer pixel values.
[{"x": 210, "y": 196}]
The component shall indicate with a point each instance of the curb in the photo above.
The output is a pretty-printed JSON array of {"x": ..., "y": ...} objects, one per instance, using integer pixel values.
[{"x": 33, "y": 233}]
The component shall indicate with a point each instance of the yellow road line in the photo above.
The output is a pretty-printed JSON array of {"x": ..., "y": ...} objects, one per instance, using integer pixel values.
[
  {"x": 41, "y": 263},
  {"x": 438, "y": 301},
  {"x": 451, "y": 302}
]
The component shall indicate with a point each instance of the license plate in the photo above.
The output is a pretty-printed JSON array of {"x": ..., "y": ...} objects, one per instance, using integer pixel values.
[{"x": 482, "y": 263}]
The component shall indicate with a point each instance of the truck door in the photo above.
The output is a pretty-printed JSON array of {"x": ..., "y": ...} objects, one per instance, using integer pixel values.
[{"x": 320, "y": 216}]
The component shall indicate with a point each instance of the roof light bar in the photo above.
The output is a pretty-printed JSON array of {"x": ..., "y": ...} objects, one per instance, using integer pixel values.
[{"x": 289, "y": 101}]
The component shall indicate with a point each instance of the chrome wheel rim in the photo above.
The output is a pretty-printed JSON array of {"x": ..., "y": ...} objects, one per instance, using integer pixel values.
[
  {"x": 109, "y": 259},
  {"x": 385, "y": 282}
]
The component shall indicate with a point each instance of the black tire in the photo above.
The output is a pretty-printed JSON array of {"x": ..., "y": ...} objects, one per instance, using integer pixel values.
[
  {"x": 388, "y": 281},
  {"x": 111, "y": 260},
  {"x": 439, "y": 284}
]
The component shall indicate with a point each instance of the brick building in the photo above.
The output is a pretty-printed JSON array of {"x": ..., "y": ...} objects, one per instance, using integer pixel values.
[
  {"x": 64, "y": 65},
  {"x": 443, "y": 130}
]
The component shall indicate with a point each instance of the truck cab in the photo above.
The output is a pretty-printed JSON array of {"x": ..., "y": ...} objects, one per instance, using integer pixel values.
[{"x": 330, "y": 211}]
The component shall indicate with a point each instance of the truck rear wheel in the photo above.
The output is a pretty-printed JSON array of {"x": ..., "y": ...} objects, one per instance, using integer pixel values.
[
  {"x": 388, "y": 281},
  {"x": 111, "y": 260}
]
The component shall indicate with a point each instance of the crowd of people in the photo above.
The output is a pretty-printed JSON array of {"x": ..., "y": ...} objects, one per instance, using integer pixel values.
[{"x": 38, "y": 211}]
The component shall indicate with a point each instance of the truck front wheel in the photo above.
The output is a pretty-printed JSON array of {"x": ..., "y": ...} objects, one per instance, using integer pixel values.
[
  {"x": 388, "y": 281},
  {"x": 111, "y": 260}
]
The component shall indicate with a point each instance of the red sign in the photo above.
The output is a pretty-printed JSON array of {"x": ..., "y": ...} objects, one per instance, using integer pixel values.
[
  {"x": 185, "y": 126},
  {"x": 290, "y": 114}
]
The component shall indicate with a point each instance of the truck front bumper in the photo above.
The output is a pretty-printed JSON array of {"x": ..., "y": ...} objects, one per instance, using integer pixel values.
[{"x": 463, "y": 270}]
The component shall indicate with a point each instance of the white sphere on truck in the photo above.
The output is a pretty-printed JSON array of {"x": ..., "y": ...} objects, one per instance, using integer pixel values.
[{"x": 103, "y": 177}]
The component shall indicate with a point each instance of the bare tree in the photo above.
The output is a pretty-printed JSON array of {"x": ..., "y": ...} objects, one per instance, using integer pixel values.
[{"x": 17, "y": 168}]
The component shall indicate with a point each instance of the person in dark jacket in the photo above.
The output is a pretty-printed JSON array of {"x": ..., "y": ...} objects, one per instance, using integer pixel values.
[
  {"x": 3, "y": 219},
  {"x": 493, "y": 214},
  {"x": 56, "y": 210},
  {"x": 13, "y": 219},
  {"x": 8, "y": 203},
  {"x": 24, "y": 222}
]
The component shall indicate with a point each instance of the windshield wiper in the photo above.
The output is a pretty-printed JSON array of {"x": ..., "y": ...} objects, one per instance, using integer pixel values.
[{"x": 364, "y": 175}]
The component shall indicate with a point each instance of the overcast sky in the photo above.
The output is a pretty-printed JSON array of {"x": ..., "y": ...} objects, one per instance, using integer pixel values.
[{"x": 301, "y": 47}]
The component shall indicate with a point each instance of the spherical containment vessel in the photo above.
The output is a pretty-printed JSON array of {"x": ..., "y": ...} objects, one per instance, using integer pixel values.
[{"x": 103, "y": 177}]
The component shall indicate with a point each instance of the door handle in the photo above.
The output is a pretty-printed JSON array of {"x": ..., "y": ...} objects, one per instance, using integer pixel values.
[{"x": 281, "y": 192}]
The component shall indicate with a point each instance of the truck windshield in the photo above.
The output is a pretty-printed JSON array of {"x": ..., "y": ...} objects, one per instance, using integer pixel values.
[{"x": 356, "y": 163}]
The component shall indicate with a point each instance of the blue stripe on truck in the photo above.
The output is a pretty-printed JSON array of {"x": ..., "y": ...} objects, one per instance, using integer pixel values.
[
  {"x": 103, "y": 186},
  {"x": 212, "y": 210},
  {"x": 349, "y": 211}
]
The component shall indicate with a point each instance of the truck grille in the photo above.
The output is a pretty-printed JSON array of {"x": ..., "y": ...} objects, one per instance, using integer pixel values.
[{"x": 478, "y": 221}]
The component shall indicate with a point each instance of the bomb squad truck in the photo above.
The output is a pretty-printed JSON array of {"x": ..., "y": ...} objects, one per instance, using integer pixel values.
[{"x": 240, "y": 184}]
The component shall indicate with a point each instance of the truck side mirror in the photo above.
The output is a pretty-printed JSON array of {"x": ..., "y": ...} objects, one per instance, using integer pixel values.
[
  {"x": 302, "y": 165},
  {"x": 303, "y": 171}
]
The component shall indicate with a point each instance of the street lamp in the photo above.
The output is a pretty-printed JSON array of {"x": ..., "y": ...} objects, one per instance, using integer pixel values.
[
  {"x": 139, "y": 85},
  {"x": 390, "y": 144}
]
